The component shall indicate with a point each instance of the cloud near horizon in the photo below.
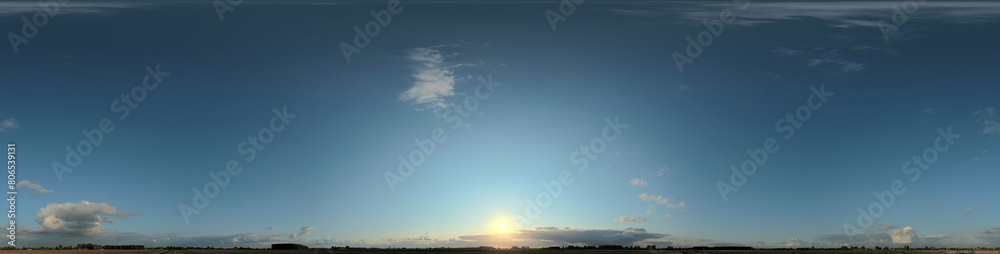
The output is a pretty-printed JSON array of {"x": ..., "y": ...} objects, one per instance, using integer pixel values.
[
  {"x": 304, "y": 231},
  {"x": 76, "y": 219},
  {"x": 577, "y": 236},
  {"x": 903, "y": 236}
]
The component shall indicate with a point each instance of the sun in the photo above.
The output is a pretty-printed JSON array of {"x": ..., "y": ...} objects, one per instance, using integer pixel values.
[{"x": 500, "y": 225}]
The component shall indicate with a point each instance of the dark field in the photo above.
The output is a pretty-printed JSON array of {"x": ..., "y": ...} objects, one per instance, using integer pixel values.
[{"x": 415, "y": 251}]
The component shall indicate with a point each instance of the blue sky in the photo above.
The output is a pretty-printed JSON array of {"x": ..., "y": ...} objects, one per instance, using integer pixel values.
[{"x": 514, "y": 98}]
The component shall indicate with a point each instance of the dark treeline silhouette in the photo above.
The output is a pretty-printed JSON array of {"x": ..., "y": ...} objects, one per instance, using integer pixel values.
[{"x": 293, "y": 246}]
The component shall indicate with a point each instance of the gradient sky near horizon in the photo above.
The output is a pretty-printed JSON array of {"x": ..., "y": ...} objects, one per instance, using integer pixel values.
[{"x": 322, "y": 180}]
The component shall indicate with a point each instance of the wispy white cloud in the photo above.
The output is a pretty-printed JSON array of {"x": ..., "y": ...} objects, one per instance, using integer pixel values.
[
  {"x": 925, "y": 115},
  {"x": 637, "y": 182},
  {"x": 641, "y": 13},
  {"x": 661, "y": 200},
  {"x": 433, "y": 81},
  {"x": 845, "y": 66},
  {"x": 971, "y": 209},
  {"x": 8, "y": 124},
  {"x": 677, "y": 205},
  {"x": 35, "y": 188},
  {"x": 788, "y": 51},
  {"x": 846, "y": 14},
  {"x": 630, "y": 219},
  {"x": 19, "y": 8},
  {"x": 822, "y": 56},
  {"x": 654, "y": 198},
  {"x": 990, "y": 120},
  {"x": 665, "y": 171},
  {"x": 883, "y": 49}
]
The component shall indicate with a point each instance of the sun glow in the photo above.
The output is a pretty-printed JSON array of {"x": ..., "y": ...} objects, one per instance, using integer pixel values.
[{"x": 500, "y": 225}]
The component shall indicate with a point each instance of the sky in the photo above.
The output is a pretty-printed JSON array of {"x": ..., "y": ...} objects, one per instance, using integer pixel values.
[{"x": 503, "y": 123}]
